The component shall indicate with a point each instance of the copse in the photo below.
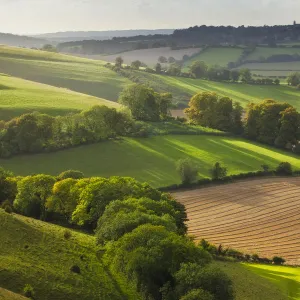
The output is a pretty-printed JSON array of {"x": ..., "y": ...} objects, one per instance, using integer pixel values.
[{"x": 145, "y": 104}]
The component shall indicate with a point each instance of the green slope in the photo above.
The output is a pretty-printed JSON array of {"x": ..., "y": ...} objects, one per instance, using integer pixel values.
[
  {"x": 266, "y": 52},
  {"x": 20, "y": 96},
  {"x": 249, "y": 285},
  {"x": 77, "y": 74},
  {"x": 7, "y": 295},
  {"x": 153, "y": 159},
  {"x": 36, "y": 253}
]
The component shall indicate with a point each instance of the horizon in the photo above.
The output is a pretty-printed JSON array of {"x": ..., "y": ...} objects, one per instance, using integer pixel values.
[{"x": 51, "y": 16}]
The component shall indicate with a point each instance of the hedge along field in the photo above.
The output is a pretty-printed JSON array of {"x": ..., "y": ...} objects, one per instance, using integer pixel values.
[
  {"x": 153, "y": 159},
  {"x": 216, "y": 56},
  {"x": 20, "y": 96},
  {"x": 286, "y": 278},
  {"x": 78, "y": 74}
]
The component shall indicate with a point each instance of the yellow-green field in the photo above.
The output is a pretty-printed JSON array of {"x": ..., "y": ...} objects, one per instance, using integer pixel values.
[
  {"x": 20, "y": 96},
  {"x": 153, "y": 159},
  {"x": 266, "y": 52}
]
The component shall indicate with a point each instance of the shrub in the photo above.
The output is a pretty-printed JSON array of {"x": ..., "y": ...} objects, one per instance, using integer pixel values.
[
  {"x": 67, "y": 234},
  {"x": 8, "y": 209},
  {"x": 70, "y": 174},
  {"x": 28, "y": 291},
  {"x": 266, "y": 168},
  {"x": 218, "y": 172},
  {"x": 75, "y": 269},
  {"x": 198, "y": 294},
  {"x": 187, "y": 171},
  {"x": 284, "y": 168},
  {"x": 255, "y": 258},
  {"x": 278, "y": 260}
]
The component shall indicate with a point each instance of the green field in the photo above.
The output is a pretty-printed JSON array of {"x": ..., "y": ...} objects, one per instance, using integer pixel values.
[
  {"x": 287, "y": 279},
  {"x": 36, "y": 253},
  {"x": 20, "y": 96},
  {"x": 216, "y": 56},
  {"x": 250, "y": 285},
  {"x": 266, "y": 52},
  {"x": 74, "y": 73},
  {"x": 153, "y": 159}
]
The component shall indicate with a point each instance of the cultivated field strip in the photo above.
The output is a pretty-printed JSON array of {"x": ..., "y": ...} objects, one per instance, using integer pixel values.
[{"x": 255, "y": 216}]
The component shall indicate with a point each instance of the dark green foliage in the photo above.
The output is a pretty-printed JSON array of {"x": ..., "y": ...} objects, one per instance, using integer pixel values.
[
  {"x": 8, "y": 186},
  {"x": 218, "y": 172},
  {"x": 284, "y": 168},
  {"x": 136, "y": 64},
  {"x": 197, "y": 294},
  {"x": 278, "y": 260},
  {"x": 70, "y": 174},
  {"x": 187, "y": 171},
  {"x": 67, "y": 234},
  {"x": 294, "y": 79},
  {"x": 266, "y": 168},
  {"x": 119, "y": 62},
  {"x": 28, "y": 291},
  {"x": 245, "y": 75},
  {"x": 174, "y": 69},
  {"x": 75, "y": 269},
  {"x": 198, "y": 69}
]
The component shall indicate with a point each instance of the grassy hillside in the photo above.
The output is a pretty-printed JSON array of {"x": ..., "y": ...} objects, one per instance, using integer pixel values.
[
  {"x": 77, "y": 74},
  {"x": 36, "y": 253},
  {"x": 183, "y": 88},
  {"x": 7, "y": 295},
  {"x": 249, "y": 285},
  {"x": 267, "y": 52},
  {"x": 20, "y": 96},
  {"x": 153, "y": 159},
  {"x": 286, "y": 278},
  {"x": 216, "y": 56}
]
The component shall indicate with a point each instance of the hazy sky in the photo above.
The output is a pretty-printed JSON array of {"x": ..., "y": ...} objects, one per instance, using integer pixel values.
[{"x": 40, "y": 16}]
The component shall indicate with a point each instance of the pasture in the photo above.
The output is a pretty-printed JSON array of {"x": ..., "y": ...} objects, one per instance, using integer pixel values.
[
  {"x": 78, "y": 74},
  {"x": 255, "y": 216},
  {"x": 153, "y": 159},
  {"x": 20, "y": 96},
  {"x": 216, "y": 56},
  {"x": 147, "y": 56},
  {"x": 265, "y": 52},
  {"x": 37, "y": 253}
]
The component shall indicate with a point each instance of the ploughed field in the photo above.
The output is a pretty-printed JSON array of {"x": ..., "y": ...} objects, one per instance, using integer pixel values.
[{"x": 256, "y": 216}]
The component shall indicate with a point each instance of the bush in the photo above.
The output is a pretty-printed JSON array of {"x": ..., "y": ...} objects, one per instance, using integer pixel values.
[
  {"x": 218, "y": 172},
  {"x": 255, "y": 258},
  {"x": 284, "y": 168},
  {"x": 8, "y": 209},
  {"x": 28, "y": 291},
  {"x": 70, "y": 174},
  {"x": 278, "y": 260},
  {"x": 266, "y": 168},
  {"x": 75, "y": 269},
  {"x": 198, "y": 294},
  {"x": 67, "y": 234},
  {"x": 187, "y": 171}
]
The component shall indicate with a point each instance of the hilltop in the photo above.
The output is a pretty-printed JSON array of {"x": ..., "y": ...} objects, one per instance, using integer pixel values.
[{"x": 21, "y": 40}]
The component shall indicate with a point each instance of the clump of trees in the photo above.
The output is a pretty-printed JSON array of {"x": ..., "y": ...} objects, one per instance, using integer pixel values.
[
  {"x": 294, "y": 79},
  {"x": 35, "y": 132},
  {"x": 210, "y": 110},
  {"x": 187, "y": 170},
  {"x": 145, "y": 104}
]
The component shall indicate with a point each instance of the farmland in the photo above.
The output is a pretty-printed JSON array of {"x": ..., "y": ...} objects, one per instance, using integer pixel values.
[
  {"x": 36, "y": 253},
  {"x": 7, "y": 295},
  {"x": 257, "y": 216},
  {"x": 78, "y": 74},
  {"x": 147, "y": 56},
  {"x": 216, "y": 56},
  {"x": 265, "y": 52},
  {"x": 153, "y": 159},
  {"x": 20, "y": 96}
]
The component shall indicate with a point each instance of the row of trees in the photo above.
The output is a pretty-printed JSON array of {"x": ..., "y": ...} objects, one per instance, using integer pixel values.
[
  {"x": 34, "y": 132},
  {"x": 269, "y": 122},
  {"x": 141, "y": 230}
]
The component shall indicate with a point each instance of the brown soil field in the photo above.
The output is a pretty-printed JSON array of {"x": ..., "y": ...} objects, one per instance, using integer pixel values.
[{"x": 255, "y": 216}]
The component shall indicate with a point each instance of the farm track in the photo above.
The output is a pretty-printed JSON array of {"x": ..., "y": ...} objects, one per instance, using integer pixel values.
[{"x": 255, "y": 216}]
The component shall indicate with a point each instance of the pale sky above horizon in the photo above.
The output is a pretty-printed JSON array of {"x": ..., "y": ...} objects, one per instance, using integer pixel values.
[{"x": 43, "y": 16}]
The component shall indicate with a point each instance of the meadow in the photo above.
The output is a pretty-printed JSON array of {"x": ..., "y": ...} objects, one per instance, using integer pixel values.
[
  {"x": 216, "y": 56},
  {"x": 153, "y": 159},
  {"x": 269, "y": 51},
  {"x": 20, "y": 96},
  {"x": 78, "y": 74},
  {"x": 37, "y": 253}
]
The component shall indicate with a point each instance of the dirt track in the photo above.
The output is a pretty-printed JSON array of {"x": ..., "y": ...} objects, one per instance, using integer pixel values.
[{"x": 257, "y": 216}]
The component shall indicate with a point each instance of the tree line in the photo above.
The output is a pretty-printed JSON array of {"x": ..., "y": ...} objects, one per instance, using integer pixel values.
[{"x": 141, "y": 231}]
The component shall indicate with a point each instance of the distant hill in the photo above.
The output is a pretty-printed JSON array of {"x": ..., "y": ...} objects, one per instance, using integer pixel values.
[
  {"x": 21, "y": 40},
  {"x": 68, "y": 36}
]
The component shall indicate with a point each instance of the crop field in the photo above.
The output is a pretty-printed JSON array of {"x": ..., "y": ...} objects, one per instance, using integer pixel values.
[
  {"x": 153, "y": 159},
  {"x": 147, "y": 56},
  {"x": 78, "y": 74},
  {"x": 216, "y": 56},
  {"x": 255, "y": 216},
  {"x": 286, "y": 278},
  {"x": 20, "y": 96},
  {"x": 36, "y": 253},
  {"x": 273, "y": 69},
  {"x": 268, "y": 51}
]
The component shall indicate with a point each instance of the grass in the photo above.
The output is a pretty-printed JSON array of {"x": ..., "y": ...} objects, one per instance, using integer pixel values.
[
  {"x": 248, "y": 285},
  {"x": 267, "y": 52},
  {"x": 78, "y": 74},
  {"x": 36, "y": 253},
  {"x": 7, "y": 295},
  {"x": 153, "y": 159},
  {"x": 287, "y": 279},
  {"x": 20, "y": 96},
  {"x": 216, "y": 56}
]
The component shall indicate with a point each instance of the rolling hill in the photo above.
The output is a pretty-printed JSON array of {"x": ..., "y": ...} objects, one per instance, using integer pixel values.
[
  {"x": 153, "y": 159},
  {"x": 20, "y": 96},
  {"x": 36, "y": 253},
  {"x": 21, "y": 40}
]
